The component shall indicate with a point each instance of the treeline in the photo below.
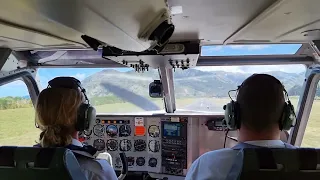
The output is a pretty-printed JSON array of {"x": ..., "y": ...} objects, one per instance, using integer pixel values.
[
  {"x": 20, "y": 102},
  {"x": 14, "y": 102}
]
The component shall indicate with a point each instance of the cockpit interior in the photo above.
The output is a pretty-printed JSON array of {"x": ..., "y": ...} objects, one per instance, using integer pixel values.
[{"x": 157, "y": 72}]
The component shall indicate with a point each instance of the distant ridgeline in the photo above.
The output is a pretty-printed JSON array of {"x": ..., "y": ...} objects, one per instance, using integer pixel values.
[{"x": 187, "y": 84}]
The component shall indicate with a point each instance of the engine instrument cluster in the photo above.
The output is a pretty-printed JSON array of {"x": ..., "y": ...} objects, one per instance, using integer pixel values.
[{"x": 152, "y": 144}]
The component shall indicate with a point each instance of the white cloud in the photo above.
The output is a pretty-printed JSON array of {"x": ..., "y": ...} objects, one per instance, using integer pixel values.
[
  {"x": 237, "y": 46},
  {"x": 17, "y": 83},
  {"x": 257, "y": 47},
  {"x": 208, "y": 50},
  {"x": 256, "y": 68},
  {"x": 249, "y": 47},
  {"x": 80, "y": 76},
  {"x": 222, "y": 68},
  {"x": 214, "y": 48}
]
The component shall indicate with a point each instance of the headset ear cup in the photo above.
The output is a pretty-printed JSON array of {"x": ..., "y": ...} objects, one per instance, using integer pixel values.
[
  {"x": 91, "y": 117},
  {"x": 289, "y": 118},
  {"x": 81, "y": 117},
  {"x": 237, "y": 115},
  {"x": 230, "y": 115}
]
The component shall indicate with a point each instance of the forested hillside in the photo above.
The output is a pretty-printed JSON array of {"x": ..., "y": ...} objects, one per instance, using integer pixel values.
[{"x": 187, "y": 83}]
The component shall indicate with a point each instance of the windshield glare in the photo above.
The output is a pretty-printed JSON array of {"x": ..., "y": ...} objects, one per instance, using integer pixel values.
[{"x": 111, "y": 90}]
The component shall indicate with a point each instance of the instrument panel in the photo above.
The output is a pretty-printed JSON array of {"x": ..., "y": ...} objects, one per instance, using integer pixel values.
[
  {"x": 138, "y": 137},
  {"x": 161, "y": 145}
]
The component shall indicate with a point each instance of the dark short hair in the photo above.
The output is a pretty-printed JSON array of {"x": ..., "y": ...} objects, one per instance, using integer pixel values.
[{"x": 261, "y": 102}]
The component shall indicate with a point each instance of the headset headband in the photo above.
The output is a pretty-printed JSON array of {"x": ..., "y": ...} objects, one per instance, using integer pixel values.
[
  {"x": 68, "y": 83},
  {"x": 262, "y": 75},
  {"x": 268, "y": 76}
]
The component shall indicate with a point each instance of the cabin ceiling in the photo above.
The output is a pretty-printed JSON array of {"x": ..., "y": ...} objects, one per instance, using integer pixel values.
[{"x": 59, "y": 24}]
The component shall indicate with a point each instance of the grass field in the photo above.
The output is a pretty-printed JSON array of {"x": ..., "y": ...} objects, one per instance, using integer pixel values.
[{"x": 17, "y": 126}]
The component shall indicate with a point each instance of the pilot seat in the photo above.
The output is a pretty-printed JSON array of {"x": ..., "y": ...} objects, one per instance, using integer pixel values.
[
  {"x": 39, "y": 163},
  {"x": 277, "y": 163}
]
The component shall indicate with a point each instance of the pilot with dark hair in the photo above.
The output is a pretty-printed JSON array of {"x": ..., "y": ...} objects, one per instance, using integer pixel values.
[{"x": 261, "y": 103}]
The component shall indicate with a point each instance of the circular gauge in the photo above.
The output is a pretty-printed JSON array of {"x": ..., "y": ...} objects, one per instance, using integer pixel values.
[
  {"x": 139, "y": 145},
  {"x": 154, "y": 146},
  {"x": 112, "y": 145},
  {"x": 124, "y": 131},
  {"x": 130, "y": 161},
  {"x": 153, "y": 162},
  {"x": 140, "y": 161},
  {"x": 154, "y": 131},
  {"x": 125, "y": 145},
  {"x": 98, "y": 130},
  {"x": 89, "y": 132},
  {"x": 99, "y": 144},
  {"x": 112, "y": 130}
]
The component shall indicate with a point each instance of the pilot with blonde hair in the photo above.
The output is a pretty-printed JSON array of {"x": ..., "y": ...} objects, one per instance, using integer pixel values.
[{"x": 60, "y": 112}]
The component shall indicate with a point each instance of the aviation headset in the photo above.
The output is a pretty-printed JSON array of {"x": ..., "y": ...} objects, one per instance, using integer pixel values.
[
  {"x": 86, "y": 114},
  {"x": 232, "y": 109}
]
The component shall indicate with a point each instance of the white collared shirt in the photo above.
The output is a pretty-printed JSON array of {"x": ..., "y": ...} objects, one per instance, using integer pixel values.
[
  {"x": 76, "y": 142},
  {"x": 217, "y": 164},
  {"x": 95, "y": 169}
]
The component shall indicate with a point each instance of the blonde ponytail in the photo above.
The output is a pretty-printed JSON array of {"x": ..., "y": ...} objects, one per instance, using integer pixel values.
[
  {"x": 55, "y": 136},
  {"x": 56, "y": 113}
]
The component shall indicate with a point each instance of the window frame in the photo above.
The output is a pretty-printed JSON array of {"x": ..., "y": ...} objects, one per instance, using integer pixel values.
[
  {"x": 305, "y": 105},
  {"x": 27, "y": 77}
]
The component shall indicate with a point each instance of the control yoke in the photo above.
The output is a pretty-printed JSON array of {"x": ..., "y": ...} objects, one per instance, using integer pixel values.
[{"x": 124, "y": 162}]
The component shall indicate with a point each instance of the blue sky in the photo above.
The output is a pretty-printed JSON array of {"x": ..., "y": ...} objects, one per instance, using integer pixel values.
[
  {"x": 234, "y": 50},
  {"x": 18, "y": 88}
]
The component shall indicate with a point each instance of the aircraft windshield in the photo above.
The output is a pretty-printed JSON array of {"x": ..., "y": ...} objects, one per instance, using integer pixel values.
[
  {"x": 111, "y": 90},
  {"x": 206, "y": 88}
]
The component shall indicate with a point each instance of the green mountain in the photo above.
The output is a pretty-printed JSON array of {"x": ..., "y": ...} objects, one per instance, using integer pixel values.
[{"x": 187, "y": 83}]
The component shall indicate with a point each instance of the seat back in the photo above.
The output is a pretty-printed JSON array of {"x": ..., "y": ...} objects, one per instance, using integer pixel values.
[
  {"x": 39, "y": 163},
  {"x": 266, "y": 163}
]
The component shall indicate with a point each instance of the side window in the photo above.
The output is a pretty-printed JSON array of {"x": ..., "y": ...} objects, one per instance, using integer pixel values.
[
  {"x": 17, "y": 126},
  {"x": 311, "y": 136}
]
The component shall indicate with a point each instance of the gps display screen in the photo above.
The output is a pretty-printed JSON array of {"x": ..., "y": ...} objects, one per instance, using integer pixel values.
[{"x": 172, "y": 129}]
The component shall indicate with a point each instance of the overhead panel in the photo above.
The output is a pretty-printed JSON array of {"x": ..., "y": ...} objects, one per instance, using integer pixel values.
[
  {"x": 117, "y": 23},
  {"x": 213, "y": 21},
  {"x": 19, "y": 38},
  {"x": 22, "y": 27},
  {"x": 59, "y": 24},
  {"x": 66, "y": 58},
  {"x": 285, "y": 21},
  {"x": 174, "y": 55}
]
